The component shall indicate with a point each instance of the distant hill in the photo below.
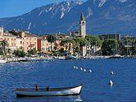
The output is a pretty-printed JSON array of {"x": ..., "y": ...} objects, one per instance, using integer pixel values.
[{"x": 103, "y": 17}]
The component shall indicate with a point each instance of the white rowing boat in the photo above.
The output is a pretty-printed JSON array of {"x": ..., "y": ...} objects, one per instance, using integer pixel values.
[{"x": 32, "y": 92}]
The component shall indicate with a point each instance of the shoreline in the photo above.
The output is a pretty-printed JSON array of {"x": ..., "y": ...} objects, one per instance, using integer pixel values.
[{"x": 33, "y": 59}]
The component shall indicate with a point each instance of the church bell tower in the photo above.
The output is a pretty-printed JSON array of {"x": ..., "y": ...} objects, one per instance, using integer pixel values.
[{"x": 82, "y": 26}]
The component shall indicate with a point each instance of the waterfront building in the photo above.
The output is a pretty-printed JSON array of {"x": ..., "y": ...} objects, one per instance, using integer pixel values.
[
  {"x": 75, "y": 34},
  {"x": 92, "y": 50},
  {"x": 127, "y": 43},
  {"x": 18, "y": 43},
  {"x": 39, "y": 44},
  {"x": 51, "y": 46},
  {"x": 110, "y": 36},
  {"x": 1, "y": 31},
  {"x": 83, "y": 51},
  {"x": 58, "y": 45},
  {"x": 29, "y": 41},
  {"x": 61, "y": 36},
  {"x": 24, "y": 40},
  {"x": 11, "y": 39},
  {"x": 44, "y": 44}
]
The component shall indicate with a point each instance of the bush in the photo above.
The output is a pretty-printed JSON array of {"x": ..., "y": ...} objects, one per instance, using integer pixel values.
[
  {"x": 19, "y": 53},
  {"x": 32, "y": 51}
]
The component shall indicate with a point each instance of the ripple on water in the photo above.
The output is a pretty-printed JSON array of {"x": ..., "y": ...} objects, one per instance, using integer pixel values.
[{"x": 61, "y": 73}]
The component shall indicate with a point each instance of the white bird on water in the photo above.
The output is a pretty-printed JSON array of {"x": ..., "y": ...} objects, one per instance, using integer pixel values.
[{"x": 111, "y": 83}]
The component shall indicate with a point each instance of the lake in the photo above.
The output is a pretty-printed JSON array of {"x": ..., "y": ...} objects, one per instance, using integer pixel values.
[{"x": 61, "y": 73}]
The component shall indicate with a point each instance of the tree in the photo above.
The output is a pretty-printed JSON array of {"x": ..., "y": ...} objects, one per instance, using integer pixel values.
[
  {"x": 51, "y": 39},
  {"x": 76, "y": 47},
  {"x": 3, "y": 44},
  {"x": 109, "y": 47},
  {"x": 68, "y": 44},
  {"x": 78, "y": 44},
  {"x": 128, "y": 46},
  {"x": 81, "y": 41},
  {"x": 19, "y": 53},
  {"x": 133, "y": 47},
  {"x": 94, "y": 40},
  {"x": 32, "y": 51},
  {"x": 66, "y": 41}
]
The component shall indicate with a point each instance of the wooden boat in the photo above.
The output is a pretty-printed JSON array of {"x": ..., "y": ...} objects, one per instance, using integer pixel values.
[{"x": 38, "y": 92}]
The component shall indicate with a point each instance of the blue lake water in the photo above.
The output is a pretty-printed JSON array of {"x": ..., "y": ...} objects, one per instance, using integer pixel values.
[{"x": 61, "y": 73}]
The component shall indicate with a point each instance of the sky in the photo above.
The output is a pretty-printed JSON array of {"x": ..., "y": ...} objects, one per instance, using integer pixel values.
[{"x": 10, "y": 8}]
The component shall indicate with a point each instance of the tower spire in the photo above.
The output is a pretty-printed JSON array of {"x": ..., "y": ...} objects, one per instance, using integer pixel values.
[
  {"x": 82, "y": 25},
  {"x": 82, "y": 17}
]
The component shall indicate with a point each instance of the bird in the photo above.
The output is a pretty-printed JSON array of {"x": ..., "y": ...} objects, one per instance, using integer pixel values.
[{"x": 111, "y": 83}]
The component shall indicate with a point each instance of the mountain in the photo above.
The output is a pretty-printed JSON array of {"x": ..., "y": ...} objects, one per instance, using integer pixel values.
[{"x": 103, "y": 17}]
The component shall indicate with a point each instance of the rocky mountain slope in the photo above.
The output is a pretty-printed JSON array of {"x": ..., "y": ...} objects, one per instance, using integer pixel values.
[{"x": 103, "y": 17}]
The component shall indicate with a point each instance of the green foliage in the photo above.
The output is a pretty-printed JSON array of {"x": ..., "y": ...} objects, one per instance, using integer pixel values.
[
  {"x": 109, "y": 47},
  {"x": 66, "y": 41},
  {"x": 80, "y": 41},
  {"x": 3, "y": 44},
  {"x": 133, "y": 49},
  {"x": 19, "y": 53},
  {"x": 1, "y": 52},
  {"x": 56, "y": 53},
  {"x": 130, "y": 48},
  {"x": 51, "y": 38},
  {"x": 32, "y": 51},
  {"x": 76, "y": 42},
  {"x": 94, "y": 40}
]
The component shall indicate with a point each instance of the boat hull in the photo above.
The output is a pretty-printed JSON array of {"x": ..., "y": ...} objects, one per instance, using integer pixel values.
[{"x": 52, "y": 92}]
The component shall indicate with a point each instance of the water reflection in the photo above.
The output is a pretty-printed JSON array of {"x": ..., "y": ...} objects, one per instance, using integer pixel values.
[{"x": 50, "y": 99}]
